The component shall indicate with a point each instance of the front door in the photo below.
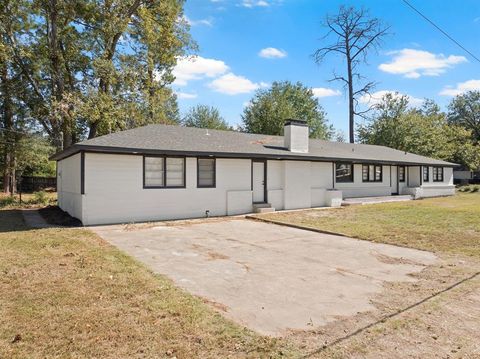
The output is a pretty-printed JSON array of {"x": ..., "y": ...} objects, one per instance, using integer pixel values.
[{"x": 258, "y": 181}]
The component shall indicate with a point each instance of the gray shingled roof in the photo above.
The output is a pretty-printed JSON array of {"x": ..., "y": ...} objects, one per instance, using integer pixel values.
[{"x": 167, "y": 139}]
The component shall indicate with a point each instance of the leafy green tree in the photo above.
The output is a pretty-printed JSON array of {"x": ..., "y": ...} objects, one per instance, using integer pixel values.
[
  {"x": 94, "y": 67},
  {"x": 464, "y": 110},
  {"x": 269, "y": 108},
  {"x": 203, "y": 116},
  {"x": 424, "y": 131}
]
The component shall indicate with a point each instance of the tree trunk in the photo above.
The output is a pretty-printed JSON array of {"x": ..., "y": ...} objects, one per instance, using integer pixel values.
[
  {"x": 58, "y": 83},
  {"x": 8, "y": 135},
  {"x": 93, "y": 130},
  {"x": 151, "y": 91},
  {"x": 6, "y": 174},
  {"x": 351, "y": 109}
]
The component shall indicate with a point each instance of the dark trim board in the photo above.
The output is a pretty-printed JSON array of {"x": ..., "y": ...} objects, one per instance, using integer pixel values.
[
  {"x": 82, "y": 172},
  {"x": 390, "y": 176}
]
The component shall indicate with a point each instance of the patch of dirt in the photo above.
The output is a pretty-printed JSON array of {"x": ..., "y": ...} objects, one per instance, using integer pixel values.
[
  {"x": 216, "y": 305},
  {"x": 211, "y": 255},
  {"x": 138, "y": 226},
  {"x": 180, "y": 223},
  {"x": 395, "y": 260},
  {"x": 54, "y": 215},
  {"x": 215, "y": 255},
  {"x": 426, "y": 318},
  {"x": 187, "y": 222}
]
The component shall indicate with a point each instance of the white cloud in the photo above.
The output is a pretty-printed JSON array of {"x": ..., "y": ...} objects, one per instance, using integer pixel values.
[
  {"x": 232, "y": 84},
  {"x": 196, "y": 68},
  {"x": 272, "y": 53},
  {"x": 206, "y": 22},
  {"x": 325, "y": 92},
  {"x": 375, "y": 98},
  {"x": 186, "y": 95},
  {"x": 254, "y": 3},
  {"x": 461, "y": 87},
  {"x": 413, "y": 63}
]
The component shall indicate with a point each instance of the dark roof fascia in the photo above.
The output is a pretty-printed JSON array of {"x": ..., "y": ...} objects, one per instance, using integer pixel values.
[
  {"x": 70, "y": 151},
  {"x": 136, "y": 151},
  {"x": 295, "y": 122}
]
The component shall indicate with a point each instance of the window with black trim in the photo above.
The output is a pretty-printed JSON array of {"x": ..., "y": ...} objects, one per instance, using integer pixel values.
[
  {"x": 343, "y": 172},
  {"x": 163, "y": 172},
  {"x": 437, "y": 174},
  {"x": 426, "y": 173},
  {"x": 206, "y": 172},
  {"x": 372, "y": 173},
  {"x": 401, "y": 173}
]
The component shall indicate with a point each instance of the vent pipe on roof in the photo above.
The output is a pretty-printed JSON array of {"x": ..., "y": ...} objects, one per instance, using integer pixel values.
[{"x": 296, "y": 135}]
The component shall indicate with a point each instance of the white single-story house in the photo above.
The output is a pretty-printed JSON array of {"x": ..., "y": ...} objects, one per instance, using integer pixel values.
[{"x": 160, "y": 172}]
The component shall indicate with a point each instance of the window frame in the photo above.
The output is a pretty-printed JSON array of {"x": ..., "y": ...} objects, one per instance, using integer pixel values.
[
  {"x": 165, "y": 172},
  {"x": 436, "y": 171},
  {"x": 352, "y": 170},
  {"x": 370, "y": 180},
  {"x": 214, "y": 172},
  {"x": 427, "y": 173},
  {"x": 404, "y": 173}
]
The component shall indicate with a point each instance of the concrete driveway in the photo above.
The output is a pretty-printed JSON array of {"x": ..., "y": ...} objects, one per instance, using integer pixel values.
[{"x": 267, "y": 277}]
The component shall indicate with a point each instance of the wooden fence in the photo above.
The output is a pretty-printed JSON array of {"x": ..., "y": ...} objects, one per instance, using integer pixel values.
[{"x": 34, "y": 184}]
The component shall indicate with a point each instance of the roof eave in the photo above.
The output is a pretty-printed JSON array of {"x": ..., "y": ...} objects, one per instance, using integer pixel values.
[
  {"x": 74, "y": 149},
  {"x": 69, "y": 151}
]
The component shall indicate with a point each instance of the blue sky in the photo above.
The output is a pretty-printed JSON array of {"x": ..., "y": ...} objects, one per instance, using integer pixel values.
[{"x": 416, "y": 60}]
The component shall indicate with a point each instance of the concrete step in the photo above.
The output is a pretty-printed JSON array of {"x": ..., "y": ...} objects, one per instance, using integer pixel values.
[
  {"x": 263, "y": 208},
  {"x": 261, "y": 205}
]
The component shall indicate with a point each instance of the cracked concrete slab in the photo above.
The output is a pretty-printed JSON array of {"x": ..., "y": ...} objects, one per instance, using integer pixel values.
[{"x": 268, "y": 277}]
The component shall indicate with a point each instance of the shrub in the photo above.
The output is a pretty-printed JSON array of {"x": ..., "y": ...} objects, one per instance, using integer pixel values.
[
  {"x": 469, "y": 188},
  {"x": 7, "y": 201},
  {"x": 40, "y": 197}
]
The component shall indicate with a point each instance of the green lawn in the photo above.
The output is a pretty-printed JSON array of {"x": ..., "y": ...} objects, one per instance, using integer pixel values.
[
  {"x": 447, "y": 224},
  {"x": 67, "y": 293}
]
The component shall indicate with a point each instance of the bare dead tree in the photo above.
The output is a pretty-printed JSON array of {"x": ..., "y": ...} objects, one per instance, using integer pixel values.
[{"x": 355, "y": 34}]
